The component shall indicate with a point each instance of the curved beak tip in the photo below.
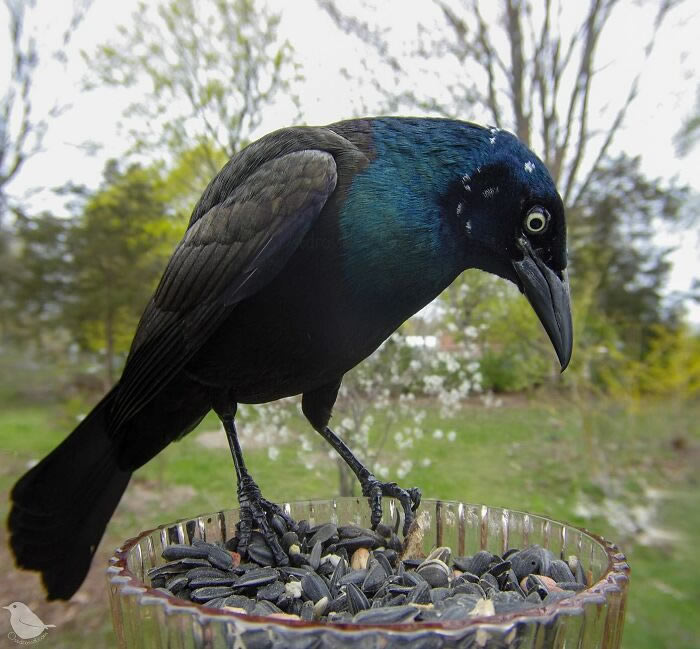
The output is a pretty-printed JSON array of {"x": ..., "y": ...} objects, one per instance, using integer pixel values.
[{"x": 548, "y": 294}]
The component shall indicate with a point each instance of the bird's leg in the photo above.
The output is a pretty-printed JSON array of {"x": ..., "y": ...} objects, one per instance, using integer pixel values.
[
  {"x": 255, "y": 510},
  {"x": 372, "y": 488}
]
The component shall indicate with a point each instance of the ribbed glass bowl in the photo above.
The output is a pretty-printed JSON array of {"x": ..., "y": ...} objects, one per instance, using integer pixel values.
[{"x": 592, "y": 618}]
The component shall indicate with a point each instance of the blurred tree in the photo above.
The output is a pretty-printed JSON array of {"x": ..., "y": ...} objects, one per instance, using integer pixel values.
[
  {"x": 91, "y": 273},
  {"x": 118, "y": 248},
  {"x": 186, "y": 178},
  {"x": 39, "y": 279},
  {"x": 205, "y": 72},
  {"x": 22, "y": 125},
  {"x": 531, "y": 67},
  {"x": 29, "y": 100},
  {"x": 613, "y": 247}
]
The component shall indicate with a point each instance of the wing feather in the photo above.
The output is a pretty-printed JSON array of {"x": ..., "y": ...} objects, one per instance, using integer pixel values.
[{"x": 229, "y": 253}]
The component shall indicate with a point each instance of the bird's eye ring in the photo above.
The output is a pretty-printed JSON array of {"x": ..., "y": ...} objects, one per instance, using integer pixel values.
[{"x": 536, "y": 220}]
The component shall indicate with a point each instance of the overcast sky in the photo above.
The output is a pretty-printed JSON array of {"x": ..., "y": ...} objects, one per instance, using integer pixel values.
[{"x": 667, "y": 94}]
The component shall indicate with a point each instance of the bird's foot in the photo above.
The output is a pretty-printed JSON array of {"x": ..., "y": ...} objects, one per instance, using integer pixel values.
[
  {"x": 375, "y": 490},
  {"x": 257, "y": 513}
]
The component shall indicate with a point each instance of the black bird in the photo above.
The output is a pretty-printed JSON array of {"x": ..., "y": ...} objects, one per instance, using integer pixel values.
[{"x": 306, "y": 251}]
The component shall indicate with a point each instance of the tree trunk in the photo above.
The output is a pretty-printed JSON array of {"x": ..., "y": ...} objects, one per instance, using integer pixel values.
[{"x": 346, "y": 479}]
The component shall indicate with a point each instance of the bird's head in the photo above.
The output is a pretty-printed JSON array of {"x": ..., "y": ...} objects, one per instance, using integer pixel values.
[
  {"x": 14, "y": 606},
  {"x": 512, "y": 219}
]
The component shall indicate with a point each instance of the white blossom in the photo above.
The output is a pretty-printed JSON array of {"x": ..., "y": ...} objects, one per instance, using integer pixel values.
[{"x": 404, "y": 467}]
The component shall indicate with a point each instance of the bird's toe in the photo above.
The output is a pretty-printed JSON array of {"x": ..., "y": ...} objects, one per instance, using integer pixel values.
[{"x": 409, "y": 499}]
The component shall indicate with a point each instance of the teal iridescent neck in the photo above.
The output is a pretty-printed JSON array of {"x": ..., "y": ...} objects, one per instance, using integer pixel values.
[{"x": 402, "y": 194}]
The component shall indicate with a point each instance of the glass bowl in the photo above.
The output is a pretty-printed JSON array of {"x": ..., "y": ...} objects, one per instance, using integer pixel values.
[{"x": 592, "y": 618}]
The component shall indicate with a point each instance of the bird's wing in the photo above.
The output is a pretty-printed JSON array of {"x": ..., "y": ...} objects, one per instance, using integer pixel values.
[
  {"x": 228, "y": 254},
  {"x": 30, "y": 619}
]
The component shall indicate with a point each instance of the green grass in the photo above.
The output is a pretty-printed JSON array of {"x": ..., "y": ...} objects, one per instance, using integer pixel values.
[{"x": 530, "y": 454}]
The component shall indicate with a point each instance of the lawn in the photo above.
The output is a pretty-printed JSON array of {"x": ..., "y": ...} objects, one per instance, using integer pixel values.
[{"x": 631, "y": 475}]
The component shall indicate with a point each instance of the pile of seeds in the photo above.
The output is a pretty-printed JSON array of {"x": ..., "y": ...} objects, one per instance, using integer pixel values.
[{"x": 352, "y": 574}]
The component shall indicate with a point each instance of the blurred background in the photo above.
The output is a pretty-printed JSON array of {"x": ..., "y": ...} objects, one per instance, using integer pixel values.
[{"x": 114, "y": 117}]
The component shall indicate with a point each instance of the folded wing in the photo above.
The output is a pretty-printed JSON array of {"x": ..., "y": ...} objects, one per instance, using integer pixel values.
[{"x": 230, "y": 253}]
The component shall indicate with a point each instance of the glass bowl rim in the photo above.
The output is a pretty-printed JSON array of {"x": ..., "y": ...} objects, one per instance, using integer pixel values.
[{"x": 614, "y": 580}]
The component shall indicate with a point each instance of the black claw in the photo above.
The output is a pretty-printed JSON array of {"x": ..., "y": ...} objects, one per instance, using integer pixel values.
[
  {"x": 256, "y": 511},
  {"x": 415, "y": 494},
  {"x": 409, "y": 499}
]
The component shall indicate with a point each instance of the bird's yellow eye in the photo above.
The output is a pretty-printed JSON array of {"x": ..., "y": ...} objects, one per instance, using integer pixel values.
[{"x": 536, "y": 220}]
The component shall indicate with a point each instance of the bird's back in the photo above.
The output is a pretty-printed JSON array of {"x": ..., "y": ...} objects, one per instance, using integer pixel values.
[{"x": 377, "y": 253}]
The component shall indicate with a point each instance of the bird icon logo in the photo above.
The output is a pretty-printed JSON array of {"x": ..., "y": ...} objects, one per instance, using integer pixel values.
[{"x": 25, "y": 623}]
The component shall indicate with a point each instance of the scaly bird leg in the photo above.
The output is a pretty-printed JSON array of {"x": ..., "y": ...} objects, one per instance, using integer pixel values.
[
  {"x": 255, "y": 510},
  {"x": 372, "y": 488}
]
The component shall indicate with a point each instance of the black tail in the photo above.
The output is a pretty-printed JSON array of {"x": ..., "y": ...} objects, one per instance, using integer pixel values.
[{"x": 60, "y": 507}]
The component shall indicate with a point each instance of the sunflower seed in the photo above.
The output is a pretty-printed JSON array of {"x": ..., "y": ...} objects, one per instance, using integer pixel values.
[
  {"x": 314, "y": 587},
  {"x": 201, "y": 595},
  {"x": 338, "y": 604},
  {"x": 257, "y": 577},
  {"x": 307, "y": 611},
  {"x": 435, "y": 572},
  {"x": 380, "y": 558},
  {"x": 352, "y": 544},
  {"x": 264, "y": 607},
  {"x": 386, "y": 615},
  {"x": 206, "y": 571},
  {"x": 166, "y": 570},
  {"x": 289, "y": 539},
  {"x": 324, "y": 534},
  {"x": 467, "y": 588},
  {"x": 260, "y": 553},
  {"x": 442, "y": 553},
  {"x": 532, "y": 560},
  {"x": 420, "y": 594},
  {"x": 181, "y": 551},
  {"x": 320, "y": 607},
  {"x": 357, "y": 601},
  {"x": 560, "y": 571},
  {"x": 577, "y": 569},
  {"x": 271, "y": 592},
  {"x": 353, "y": 577},
  {"x": 291, "y": 571},
  {"x": 215, "y": 603},
  {"x": 371, "y": 586},
  {"x": 220, "y": 558},
  {"x": 199, "y": 582},
  {"x": 359, "y": 559},
  {"x": 315, "y": 556},
  {"x": 278, "y": 524},
  {"x": 438, "y": 594},
  {"x": 176, "y": 582},
  {"x": 239, "y": 601},
  {"x": 499, "y": 568},
  {"x": 413, "y": 579}
]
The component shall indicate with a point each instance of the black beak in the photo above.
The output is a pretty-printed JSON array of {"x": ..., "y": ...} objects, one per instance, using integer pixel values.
[{"x": 548, "y": 294}]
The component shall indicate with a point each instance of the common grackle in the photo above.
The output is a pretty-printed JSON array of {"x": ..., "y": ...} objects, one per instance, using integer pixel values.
[{"x": 306, "y": 251}]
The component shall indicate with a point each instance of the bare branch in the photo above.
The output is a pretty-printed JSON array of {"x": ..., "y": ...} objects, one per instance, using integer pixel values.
[
  {"x": 21, "y": 129},
  {"x": 517, "y": 65},
  {"x": 666, "y": 6},
  {"x": 487, "y": 60}
]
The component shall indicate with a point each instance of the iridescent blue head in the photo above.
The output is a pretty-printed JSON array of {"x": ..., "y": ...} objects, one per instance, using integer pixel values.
[{"x": 513, "y": 224}]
